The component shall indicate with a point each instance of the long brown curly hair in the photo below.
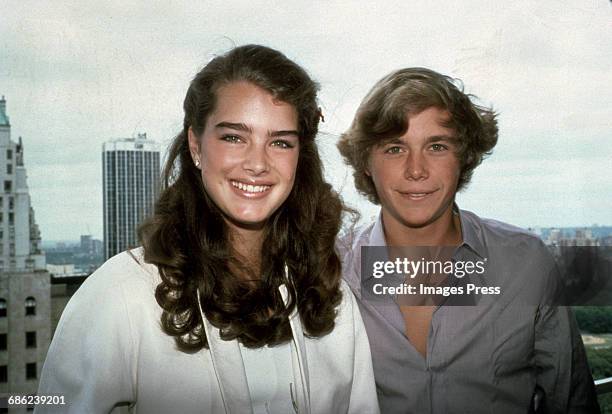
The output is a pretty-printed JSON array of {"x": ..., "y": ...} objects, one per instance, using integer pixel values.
[{"x": 187, "y": 236}]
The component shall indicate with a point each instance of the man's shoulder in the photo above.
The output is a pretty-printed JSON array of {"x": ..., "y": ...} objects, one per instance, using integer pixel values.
[
  {"x": 348, "y": 247},
  {"x": 354, "y": 237},
  {"x": 497, "y": 232}
]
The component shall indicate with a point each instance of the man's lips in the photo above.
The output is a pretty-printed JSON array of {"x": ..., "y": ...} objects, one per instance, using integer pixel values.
[{"x": 417, "y": 195}]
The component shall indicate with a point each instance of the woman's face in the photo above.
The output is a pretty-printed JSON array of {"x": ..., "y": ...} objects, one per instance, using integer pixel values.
[{"x": 248, "y": 153}]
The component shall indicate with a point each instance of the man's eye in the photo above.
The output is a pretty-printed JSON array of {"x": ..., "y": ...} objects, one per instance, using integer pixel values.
[
  {"x": 438, "y": 147},
  {"x": 393, "y": 150},
  {"x": 234, "y": 139},
  {"x": 281, "y": 143}
]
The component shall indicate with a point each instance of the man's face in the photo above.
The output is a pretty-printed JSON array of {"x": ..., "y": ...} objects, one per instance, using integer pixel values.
[{"x": 416, "y": 174}]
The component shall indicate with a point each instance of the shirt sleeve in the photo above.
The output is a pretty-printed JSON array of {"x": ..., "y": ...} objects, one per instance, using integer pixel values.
[
  {"x": 563, "y": 373},
  {"x": 363, "y": 391},
  {"x": 89, "y": 361}
]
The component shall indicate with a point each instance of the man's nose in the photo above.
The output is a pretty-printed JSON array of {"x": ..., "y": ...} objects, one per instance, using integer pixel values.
[{"x": 416, "y": 166}]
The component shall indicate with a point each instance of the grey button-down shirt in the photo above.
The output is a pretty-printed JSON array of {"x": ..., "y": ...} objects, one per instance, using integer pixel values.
[{"x": 486, "y": 358}]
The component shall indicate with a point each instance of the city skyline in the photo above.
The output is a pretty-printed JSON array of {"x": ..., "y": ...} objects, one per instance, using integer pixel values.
[{"x": 76, "y": 77}]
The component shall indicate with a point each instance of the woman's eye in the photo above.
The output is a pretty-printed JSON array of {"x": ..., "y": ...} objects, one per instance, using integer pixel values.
[
  {"x": 234, "y": 139},
  {"x": 281, "y": 143}
]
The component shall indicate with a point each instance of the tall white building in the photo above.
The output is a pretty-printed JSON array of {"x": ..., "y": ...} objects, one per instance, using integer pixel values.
[
  {"x": 131, "y": 172},
  {"x": 25, "y": 299},
  {"x": 19, "y": 234}
]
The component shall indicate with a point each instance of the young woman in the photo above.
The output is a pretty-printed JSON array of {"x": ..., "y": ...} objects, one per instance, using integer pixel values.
[{"x": 235, "y": 303}]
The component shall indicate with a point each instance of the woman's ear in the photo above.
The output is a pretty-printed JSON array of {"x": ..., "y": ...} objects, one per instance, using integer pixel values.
[{"x": 194, "y": 147}]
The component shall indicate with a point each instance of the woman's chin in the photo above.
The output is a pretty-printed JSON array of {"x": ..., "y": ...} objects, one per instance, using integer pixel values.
[{"x": 252, "y": 223}]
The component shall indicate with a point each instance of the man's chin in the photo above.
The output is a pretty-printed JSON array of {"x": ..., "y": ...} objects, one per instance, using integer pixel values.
[{"x": 414, "y": 223}]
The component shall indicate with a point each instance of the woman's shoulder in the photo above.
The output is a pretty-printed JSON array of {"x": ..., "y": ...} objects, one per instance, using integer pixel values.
[
  {"x": 348, "y": 305},
  {"x": 125, "y": 275},
  {"x": 126, "y": 269}
]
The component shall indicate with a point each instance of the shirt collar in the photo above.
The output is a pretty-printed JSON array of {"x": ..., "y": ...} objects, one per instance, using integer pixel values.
[
  {"x": 377, "y": 235},
  {"x": 470, "y": 231}
]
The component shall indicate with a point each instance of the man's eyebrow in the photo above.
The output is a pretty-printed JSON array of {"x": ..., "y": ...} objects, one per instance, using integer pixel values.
[
  {"x": 443, "y": 138},
  {"x": 284, "y": 133}
]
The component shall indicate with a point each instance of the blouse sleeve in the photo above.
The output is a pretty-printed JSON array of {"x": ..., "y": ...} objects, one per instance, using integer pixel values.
[
  {"x": 363, "y": 391},
  {"x": 89, "y": 361}
]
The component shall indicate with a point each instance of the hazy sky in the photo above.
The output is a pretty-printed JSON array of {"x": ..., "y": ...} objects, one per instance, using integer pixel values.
[{"x": 76, "y": 74}]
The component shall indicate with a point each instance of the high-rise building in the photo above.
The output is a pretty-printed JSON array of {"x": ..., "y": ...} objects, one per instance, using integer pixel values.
[
  {"x": 25, "y": 321},
  {"x": 19, "y": 234},
  {"x": 130, "y": 170}
]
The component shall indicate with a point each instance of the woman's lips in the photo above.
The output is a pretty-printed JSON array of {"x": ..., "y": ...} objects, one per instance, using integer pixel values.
[{"x": 250, "y": 190}]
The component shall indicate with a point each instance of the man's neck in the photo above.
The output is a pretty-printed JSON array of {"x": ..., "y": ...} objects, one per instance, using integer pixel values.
[{"x": 445, "y": 231}]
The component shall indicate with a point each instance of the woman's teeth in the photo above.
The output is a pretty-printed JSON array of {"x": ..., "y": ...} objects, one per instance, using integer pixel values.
[{"x": 249, "y": 188}]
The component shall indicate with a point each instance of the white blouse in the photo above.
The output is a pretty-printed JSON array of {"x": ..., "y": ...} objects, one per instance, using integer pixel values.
[{"x": 269, "y": 377}]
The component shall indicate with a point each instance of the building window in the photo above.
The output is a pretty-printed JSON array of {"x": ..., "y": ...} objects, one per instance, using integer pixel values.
[
  {"x": 11, "y": 203},
  {"x": 31, "y": 370},
  {"x": 8, "y": 186},
  {"x": 3, "y": 373},
  {"x": 9, "y": 168},
  {"x": 30, "y": 306},
  {"x": 9, "y": 154},
  {"x": 11, "y": 219},
  {"x": 30, "y": 339},
  {"x": 2, "y": 308},
  {"x": 2, "y": 342}
]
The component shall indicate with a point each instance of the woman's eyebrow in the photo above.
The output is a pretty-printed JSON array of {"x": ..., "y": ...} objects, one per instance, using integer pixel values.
[{"x": 239, "y": 126}]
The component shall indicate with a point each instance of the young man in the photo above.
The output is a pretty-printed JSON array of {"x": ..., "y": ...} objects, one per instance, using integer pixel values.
[{"x": 414, "y": 143}]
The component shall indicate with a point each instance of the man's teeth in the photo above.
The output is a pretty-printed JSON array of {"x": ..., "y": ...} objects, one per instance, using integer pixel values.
[{"x": 249, "y": 188}]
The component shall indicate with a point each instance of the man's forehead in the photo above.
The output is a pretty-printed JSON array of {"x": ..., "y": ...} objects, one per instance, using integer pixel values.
[
  {"x": 441, "y": 115},
  {"x": 438, "y": 120}
]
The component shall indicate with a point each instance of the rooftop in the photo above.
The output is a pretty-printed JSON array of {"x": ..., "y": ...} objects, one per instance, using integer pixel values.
[
  {"x": 136, "y": 143},
  {"x": 4, "y": 119}
]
